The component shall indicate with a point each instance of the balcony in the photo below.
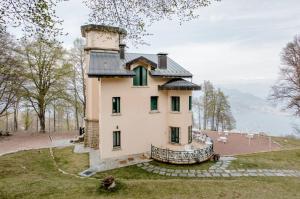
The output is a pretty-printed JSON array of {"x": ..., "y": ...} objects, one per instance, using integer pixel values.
[{"x": 200, "y": 150}]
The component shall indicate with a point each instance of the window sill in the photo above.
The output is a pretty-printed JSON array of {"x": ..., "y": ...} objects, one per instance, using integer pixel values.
[
  {"x": 175, "y": 112},
  {"x": 117, "y": 148},
  {"x": 154, "y": 111},
  {"x": 116, "y": 114},
  {"x": 140, "y": 86},
  {"x": 175, "y": 143}
]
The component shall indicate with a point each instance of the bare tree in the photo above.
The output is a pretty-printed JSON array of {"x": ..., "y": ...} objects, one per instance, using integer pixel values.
[
  {"x": 39, "y": 16},
  {"x": 46, "y": 72},
  {"x": 10, "y": 80},
  {"x": 34, "y": 16},
  {"x": 27, "y": 119},
  {"x": 137, "y": 15},
  {"x": 197, "y": 106},
  {"x": 287, "y": 88},
  {"x": 207, "y": 102},
  {"x": 216, "y": 109},
  {"x": 78, "y": 83}
]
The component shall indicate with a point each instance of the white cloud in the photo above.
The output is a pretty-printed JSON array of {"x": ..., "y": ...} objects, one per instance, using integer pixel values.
[{"x": 227, "y": 61}]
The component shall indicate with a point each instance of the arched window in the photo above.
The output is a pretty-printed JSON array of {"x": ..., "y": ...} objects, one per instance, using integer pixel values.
[{"x": 140, "y": 78}]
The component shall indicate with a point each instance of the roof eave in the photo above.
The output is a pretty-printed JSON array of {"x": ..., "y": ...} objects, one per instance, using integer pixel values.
[
  {"x": 110, "y": 75},
  {"x": 171, "y": 76},
  {"x": 161, "y": 87}
]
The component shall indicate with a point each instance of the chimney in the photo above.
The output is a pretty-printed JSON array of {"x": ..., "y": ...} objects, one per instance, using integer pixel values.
[
  {"x": 122, "y": 51},
  {"x": 162, "y": 60}
]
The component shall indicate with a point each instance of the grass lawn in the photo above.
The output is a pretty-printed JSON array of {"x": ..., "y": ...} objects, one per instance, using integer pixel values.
[
  {"x": 32, "y": 174},
  {"x": 287, "y": 142},
  {"x": 289, "y": 159}
]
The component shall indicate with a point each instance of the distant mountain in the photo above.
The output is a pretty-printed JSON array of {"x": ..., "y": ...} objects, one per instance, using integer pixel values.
[{"x": 256, "y": 114}]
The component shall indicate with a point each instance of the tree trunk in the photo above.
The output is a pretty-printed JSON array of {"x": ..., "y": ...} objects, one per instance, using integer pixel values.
[
  {"x": 42, "y": 123},
  {"x": 68, "y": 125},
  {"x": 76, "y": 113},
  {"x": 6, "y": 127},
  {"x": 205, "y": 112},
  {"x": 49, "y": 118},
  {"x": 83, "y": 88},
  {"x": 213, "y": 112},
  {"x": 16, "y": 108},
  {"x": 75, "y": 99},
  {"x": 54, "y": 118},
  {"x": 37, "y": 123},
  {"x": 41, "y": 114},
  {"x": 199, "y": 118},
  {"x": 27, "y": 120}
]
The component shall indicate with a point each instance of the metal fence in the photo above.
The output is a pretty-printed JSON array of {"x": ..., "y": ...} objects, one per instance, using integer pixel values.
[{"x": 182, "y": 157}]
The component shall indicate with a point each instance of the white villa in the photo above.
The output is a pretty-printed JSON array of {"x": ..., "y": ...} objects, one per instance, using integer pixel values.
[{"x": 136, "y": 103}]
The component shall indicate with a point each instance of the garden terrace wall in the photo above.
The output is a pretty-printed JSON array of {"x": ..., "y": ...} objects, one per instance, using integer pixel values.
[{"x": 182, "y": 157}]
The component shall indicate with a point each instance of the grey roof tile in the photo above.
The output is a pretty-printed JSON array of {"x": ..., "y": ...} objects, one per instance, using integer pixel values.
[
  {"x": 179, "y": 84},
  {"x": 109, "y": 64}
]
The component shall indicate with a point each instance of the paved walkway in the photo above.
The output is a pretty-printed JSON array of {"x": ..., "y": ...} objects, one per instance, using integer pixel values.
[
  {"x": 238, "y": 143},
  {"x": 20, "y": 141},
  {"x": 218, "y": 170}
]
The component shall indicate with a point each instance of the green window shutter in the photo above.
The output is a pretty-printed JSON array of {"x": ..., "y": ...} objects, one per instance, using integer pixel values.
[
  {"x": 136, "y": 78},
  {"x": 154, "y": 103},
  {"x": 116, "y": 139},
  {"x": 114, "y": 108},
  {"x": 175, "y": 103},
  {"x": 116, "y": 104},
  {"x": 140, "y": 78},
  {"x": 175, "y": 134},
  {"x": 190, "y": 103},
  {"x": 178, "y": 104},
  {"x": 144, "y": 76}
]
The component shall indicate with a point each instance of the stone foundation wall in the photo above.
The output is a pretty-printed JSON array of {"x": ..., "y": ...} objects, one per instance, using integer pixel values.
[{"x": 91, "y": 138}]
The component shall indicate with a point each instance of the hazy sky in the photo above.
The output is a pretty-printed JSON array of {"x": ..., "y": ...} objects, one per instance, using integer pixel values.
[{"x": 232, "y": 41}]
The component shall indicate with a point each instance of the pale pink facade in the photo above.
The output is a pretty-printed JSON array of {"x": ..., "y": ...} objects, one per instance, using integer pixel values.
[{"x": 139, "y": 126}]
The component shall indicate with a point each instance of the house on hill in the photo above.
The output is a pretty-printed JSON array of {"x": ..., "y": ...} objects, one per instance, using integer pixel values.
[{"x": 134, "y": 100}]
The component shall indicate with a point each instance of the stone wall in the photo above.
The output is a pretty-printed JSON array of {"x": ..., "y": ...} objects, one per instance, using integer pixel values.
[{"x": 91, "y": 138}]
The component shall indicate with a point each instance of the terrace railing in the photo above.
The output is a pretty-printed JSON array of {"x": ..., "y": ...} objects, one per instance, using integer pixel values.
[{"x": 182, "y": 157}]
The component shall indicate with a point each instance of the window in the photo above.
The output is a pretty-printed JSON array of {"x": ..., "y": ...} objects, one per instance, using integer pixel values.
[
  {"x": 140, "y": 78},
  {"x": 190, "y": 134},
  {"x": 175, "y": 106},
  {"x": 174, "y": 135},
  {"x": 116, "y": 104},
  {"x": 116, "y": 139},
  {"x": 154, "y": 102},
  {"x": 190, "y": 103}
]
